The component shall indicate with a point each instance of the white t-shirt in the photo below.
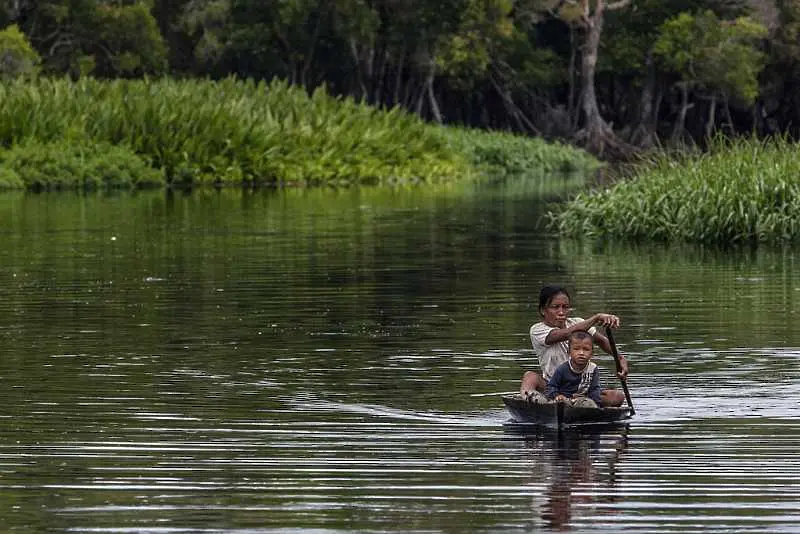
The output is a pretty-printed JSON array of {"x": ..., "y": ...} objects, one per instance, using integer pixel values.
[{"x": 551, "y": 356}]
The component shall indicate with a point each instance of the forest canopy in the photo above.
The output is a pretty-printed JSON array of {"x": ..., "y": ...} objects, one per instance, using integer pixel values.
[{"x": 609, "y": 74}]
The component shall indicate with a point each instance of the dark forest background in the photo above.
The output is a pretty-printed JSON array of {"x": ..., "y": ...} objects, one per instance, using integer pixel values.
[{"x": 609, "y": 75}]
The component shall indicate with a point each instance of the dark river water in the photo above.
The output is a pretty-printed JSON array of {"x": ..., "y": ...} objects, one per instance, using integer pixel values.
[{"x": 331, "y": 361}]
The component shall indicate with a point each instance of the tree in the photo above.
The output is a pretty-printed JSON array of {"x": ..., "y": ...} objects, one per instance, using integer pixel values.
[
  {"x": 105, "y": 36},
  {"x": 527, "y": 78},
  {"x": 127, "y": 41},
  {"x": 11, "y": 11},
  {"x": 468, "y": 54},
  {"x": 627, "y": 64},
  {"x": 782, "y": 100},
  {"x": 204, "y": 23},
  {"x": 17, "y": 57},
  {"x": 596, "y": 135},
  {"x": 279, "y": 38},
  {"x": 718, "y": 58}
]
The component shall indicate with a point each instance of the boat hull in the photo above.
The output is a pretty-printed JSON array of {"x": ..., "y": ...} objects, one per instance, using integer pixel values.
[{"x": 561, "y": 415}]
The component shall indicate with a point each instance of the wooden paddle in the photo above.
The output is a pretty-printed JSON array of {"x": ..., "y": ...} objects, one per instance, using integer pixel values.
[{"x": 615, "y": 354}]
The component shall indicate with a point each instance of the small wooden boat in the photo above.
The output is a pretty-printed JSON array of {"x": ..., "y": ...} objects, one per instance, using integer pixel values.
[{"x": 560, "y": 414}]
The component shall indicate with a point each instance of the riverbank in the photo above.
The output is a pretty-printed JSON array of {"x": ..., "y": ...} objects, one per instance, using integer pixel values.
[
  {"x": 239, "y": 133},
  {"x": 738, "y": 191}
]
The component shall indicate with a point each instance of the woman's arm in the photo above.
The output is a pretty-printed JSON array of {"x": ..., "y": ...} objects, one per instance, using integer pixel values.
[
  {"x": 557, "y": 335},
  {"x": 602, "y": 340}
]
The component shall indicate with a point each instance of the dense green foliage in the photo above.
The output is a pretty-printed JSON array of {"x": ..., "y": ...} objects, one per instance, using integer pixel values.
[
  {"x": 84, "y": 36},
  {"x": 742, "y": 191},
  {"x": 232, "y": 132},
  {"x": 513, "y": 154},
  {"x": 65, "y": 165},
  {"x": 717, "y": 58},
  {"x": 17, "y": 57},
  {"x": 501, "y": 64}
]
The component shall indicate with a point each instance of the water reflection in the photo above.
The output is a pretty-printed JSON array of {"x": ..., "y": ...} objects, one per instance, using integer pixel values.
[
  {"x": 301, "y": 360},
  {"x": 577, "y": 468}
]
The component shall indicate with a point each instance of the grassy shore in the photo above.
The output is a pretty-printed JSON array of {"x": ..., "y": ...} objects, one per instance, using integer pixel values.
[
  {"x": 505, "y": 153},
  {"x": 240, "y": 133},
  {"x": 739, "y": 191}
]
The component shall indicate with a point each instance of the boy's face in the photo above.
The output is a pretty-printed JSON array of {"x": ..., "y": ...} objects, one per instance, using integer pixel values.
[{"x": 580, "y": 352}]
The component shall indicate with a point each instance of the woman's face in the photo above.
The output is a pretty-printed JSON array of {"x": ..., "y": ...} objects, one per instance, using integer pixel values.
[{"x": 556, "y": 311}]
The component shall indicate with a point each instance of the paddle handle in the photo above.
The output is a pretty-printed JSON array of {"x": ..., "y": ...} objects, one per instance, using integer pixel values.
[{"x": 615, "y": 354}]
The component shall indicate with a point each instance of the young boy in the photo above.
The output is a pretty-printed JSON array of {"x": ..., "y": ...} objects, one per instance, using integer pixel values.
[{"x": 577, "y": 380}]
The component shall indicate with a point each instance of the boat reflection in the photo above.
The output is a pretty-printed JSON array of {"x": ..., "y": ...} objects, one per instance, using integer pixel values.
[{"x": 577, "y": 469}]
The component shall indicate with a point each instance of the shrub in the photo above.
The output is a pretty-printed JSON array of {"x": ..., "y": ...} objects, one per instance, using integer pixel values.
[
  {"x": 17, "y": 56},
  {"x": 506, "y": 153},
  {"x": 740, "y": 191},
  {"x": 234, "y": 132},
  {"x": 69, "y": 165},
  {"x": 9, "y": 179}
]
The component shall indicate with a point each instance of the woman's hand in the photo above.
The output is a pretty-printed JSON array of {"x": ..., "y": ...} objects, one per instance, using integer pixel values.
[
  {"x": 560, "y": 398},
  {"x": 623, "y": 371},
  {"x": 606, "y": 319}
]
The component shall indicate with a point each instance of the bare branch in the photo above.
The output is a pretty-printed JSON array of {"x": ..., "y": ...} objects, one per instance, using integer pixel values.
[
  {"x": 619, "y": 4},
  {"x": 553, "y": 11}
]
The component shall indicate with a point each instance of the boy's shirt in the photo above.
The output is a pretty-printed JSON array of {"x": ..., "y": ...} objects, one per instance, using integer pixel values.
[
  {"x": 551, "y": 356},
  {"x": 569, "y": 383}
]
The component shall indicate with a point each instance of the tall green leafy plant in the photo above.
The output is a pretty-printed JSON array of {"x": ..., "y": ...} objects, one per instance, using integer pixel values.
[
  {"x": 740, "y": 191},
  {"x": 17, "y": 56}
]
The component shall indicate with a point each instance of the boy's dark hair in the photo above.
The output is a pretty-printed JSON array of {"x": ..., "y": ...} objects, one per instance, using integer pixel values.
[
  {"x": 548, "y": 292},
  {"x": 580, "y": 334}
]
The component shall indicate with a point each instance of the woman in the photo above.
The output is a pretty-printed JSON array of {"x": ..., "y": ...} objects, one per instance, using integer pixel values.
[{"x": 549, "y": 338}]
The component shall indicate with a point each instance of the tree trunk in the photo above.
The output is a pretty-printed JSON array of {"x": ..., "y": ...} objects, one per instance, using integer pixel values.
[
  {"x": 523, "y": 123},
  {"x": 728, "y": 118},
  {"x": 421, "y": 98},
  {"x": 595, "y": 128},
  {"x": 644, "y": 132},
  {"x": 360, "y": 74},
  {"x": 398, "y": 80},
  {"x": 380, "y": 79},
  {"x": 596, "y": 135},
  {"x": 677, "y": 130},
  {"x": 657, "y": 109},
  {"x": 712, "y": 117},
  {"x": 409, "y": 90},
  {"x": 432, "y": 97},
  {"x": 14, "y": 10},
  {"x": 309, "y": 55},
  {"x": 572, "y": 55},
  {"x": 290, "y": 63}
]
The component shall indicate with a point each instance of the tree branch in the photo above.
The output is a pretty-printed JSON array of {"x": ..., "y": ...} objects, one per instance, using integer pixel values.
[
  {"x": 553, "y": 11},
  {"x": 619, "y": 4},
  {"x": 513, "y": 109}
]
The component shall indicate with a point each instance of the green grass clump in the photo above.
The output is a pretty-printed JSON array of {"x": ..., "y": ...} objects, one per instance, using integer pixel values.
[
  {"x": 233, "y": 132},
  {"x": 506, "y": 153},
  {"x": 64, "y": 165},
  {"x": 740, "y": 191},
  {"x": 9, "y": 179}
]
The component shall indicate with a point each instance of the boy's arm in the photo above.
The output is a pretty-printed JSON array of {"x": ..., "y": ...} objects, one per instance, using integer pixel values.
[
  {"x": 594, "y": 386},
  {"x": 553, "y": 384}
]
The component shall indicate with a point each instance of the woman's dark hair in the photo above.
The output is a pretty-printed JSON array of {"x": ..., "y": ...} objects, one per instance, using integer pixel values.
[{"x": 548, "y": 292}]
